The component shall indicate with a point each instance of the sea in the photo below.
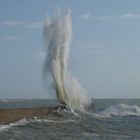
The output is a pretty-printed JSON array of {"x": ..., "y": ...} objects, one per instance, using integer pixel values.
[{"x": 113, "y": 119}]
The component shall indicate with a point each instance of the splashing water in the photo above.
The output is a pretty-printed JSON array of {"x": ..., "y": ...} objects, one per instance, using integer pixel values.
[
  {"x": 57, "y": 33},
  {"x": 121, "y": 110}
]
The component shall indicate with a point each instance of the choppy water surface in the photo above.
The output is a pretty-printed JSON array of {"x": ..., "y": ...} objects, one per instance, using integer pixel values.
[{"x": 113, "y": 120}]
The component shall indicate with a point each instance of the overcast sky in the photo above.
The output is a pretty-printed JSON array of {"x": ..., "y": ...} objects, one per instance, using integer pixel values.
[{"x": 105, "y": 48}]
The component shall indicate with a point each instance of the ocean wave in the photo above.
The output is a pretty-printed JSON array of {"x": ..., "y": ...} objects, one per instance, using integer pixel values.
[
  {"x": 18, "y": 123},
  {"x": 51, "y": 121},
  {"x": 24, "y": 121},
  {"x": 13, "y": 100},
  {"x": 5, "y": 100},
  {"x": 120, "y": 110}
]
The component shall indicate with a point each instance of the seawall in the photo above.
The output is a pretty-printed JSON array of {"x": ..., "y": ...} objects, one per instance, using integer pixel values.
[{"x": 12, "y": 115}]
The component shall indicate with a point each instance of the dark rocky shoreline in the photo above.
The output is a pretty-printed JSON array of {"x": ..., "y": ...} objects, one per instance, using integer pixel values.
[{"x": 12, "y": 115}]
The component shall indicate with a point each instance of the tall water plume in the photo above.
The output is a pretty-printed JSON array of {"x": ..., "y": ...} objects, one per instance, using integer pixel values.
[{"x": 57, "y": 33}]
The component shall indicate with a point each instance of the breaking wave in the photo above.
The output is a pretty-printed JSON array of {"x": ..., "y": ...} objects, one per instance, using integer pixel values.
[
  {"x": 24, "y": 121},
  {"x": 18, "y": 123},
  {"x": 121, "y": 110}
]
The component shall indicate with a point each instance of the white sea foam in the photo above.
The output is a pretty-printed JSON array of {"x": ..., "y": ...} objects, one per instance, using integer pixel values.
[
  {"x": 51, "y": 121},
  {"x": 4, "y": 100},
  {"x": 13, "y": 100},
  {"x": 120, "y": 110},
  {"x": 18, "y": 123},
  {"x": 23, "y": 122}
]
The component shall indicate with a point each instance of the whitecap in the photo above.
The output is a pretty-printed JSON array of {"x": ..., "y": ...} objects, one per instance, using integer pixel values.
[
  {"x": 18, "y": 123},
  {"x": 120, "y": 110}
]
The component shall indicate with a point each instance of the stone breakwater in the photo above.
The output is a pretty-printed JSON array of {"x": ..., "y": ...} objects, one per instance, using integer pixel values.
[{"x": 12, "y": 115}]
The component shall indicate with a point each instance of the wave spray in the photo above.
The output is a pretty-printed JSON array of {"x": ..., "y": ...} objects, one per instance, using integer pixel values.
[{"x": 57, "y": 34}]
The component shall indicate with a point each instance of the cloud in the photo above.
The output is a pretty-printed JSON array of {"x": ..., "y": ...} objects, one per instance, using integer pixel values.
[
  {"x": 35, "y": 25},
  {"x": 88, "y": 45},
  {"x": 129, "y": 16},
  {"x": 86, "y": 16},
  {"x": 91, "y": 48},
  {"x": 100, "y": 49},
  {"x": 40, "y": 54},
  {"x": 8, "y": 38},
  {"x": 95, "y": 52},
  {"x": 12, "y": 23}
]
